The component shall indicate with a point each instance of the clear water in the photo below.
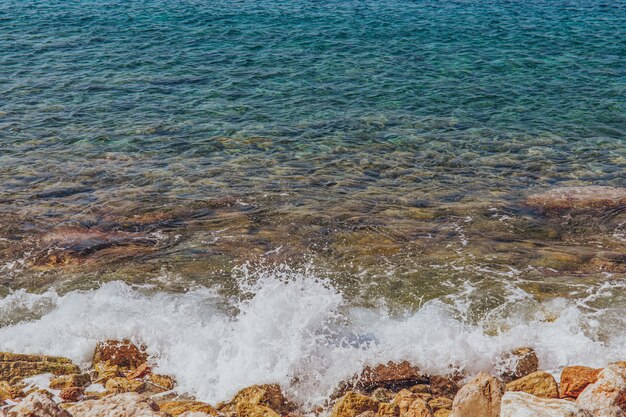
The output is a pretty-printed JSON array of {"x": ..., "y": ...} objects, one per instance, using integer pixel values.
[{"x": 388, "y": 145}]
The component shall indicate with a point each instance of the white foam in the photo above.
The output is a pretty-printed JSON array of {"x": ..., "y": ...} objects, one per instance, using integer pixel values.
[{"x": 298, "y": 331}]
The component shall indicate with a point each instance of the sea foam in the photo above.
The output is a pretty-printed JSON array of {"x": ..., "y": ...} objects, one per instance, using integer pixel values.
[{"x": 293, "y": 329}]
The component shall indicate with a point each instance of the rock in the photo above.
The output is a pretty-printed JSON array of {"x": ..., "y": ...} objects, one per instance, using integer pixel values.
[
  {"x": 119, "y": 385},
  {"x": 38, "y": 404},
  {"x": 122, "y": 354},
  {"x": 268, "y": 395},
  {"x": 162, "y": 381},
  {"x": 388, "y": 410},
  {"x": 10, "y": 392},
  {"x": 518, "y": 363},
  {"x": 607, "y": 396},
  {"x": 412, "y": 405},
  {"x": 367, "y": 414},
  {"x": 352, "y": 404},
  {"x": 141, "y": 371},
  {"x": 72, "y": 394},
  {"x": 194, "y": 414},
  {"x": 579, "y": 198},
  {"x": 539, "y": 383},
  {"x": 443, "y": 413},
  {"x": 72, "y": 380},
  {"x": 176, "y": 408},
  {"x": 393, "y": 375},
  {"x": 383, "y": 395},
  {"x": 121, "y": 405},
  {"x": 254, "y": 410},
  {"x": 521, "y": 404},
  {"x": 420, "y": 388},
  {"x": 14, "y": 367},
  {"x": 441, "y": 386},
  {"x": 574, "y": 379},
  {"x": 479, "y": 398},
  {"x": 440, "y": 403}
]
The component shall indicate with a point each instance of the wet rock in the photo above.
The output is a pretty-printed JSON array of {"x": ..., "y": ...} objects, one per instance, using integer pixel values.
[
  {"x": 383, "y": 395},
  {"x": 72, "y": 394},
  {"x": 72, "y": 380},
  {"x": 518, "y": 363},
  {"x": 162, "y": 381},
  {"x": 367, "y": 414},
  {"x": 120, "y": 405},
  {"x": 268, "y": 395},
  {"x": 607, "y": 396},
  {"x": 119, "y": 385},
  {"x": 420, "y": 388},
  {"x": 393, "y": 375},
  {"x": 440, "y": 403},
  {"x": 521, "y": 404},
  {"x": 122, "y": 354},
  {"x": 539, "y": 383},
  {"x": 574, "y": 379},
  {"x": 352, "y": 404},
  {"x": 443, "y": 413},
  {"x": 254, "y": 410},
  {"x": 441, "y": 386},
  {"x": 14, "y": 366},
  {"x": 176, "y": 408},
  {"x": 141, "y": 371},
  {"x": 479, "y": 398},
  {"x": 38, "y": 404},
  {"x": 579, "y": 198},
  {"x": 412, "y": 405},
  {"x": 10, "y": 392},
  {"x": 388, "y": 410}
]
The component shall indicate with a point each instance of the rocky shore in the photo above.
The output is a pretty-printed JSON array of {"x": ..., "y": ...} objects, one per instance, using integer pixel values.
[{"x": 121, "y": 383}]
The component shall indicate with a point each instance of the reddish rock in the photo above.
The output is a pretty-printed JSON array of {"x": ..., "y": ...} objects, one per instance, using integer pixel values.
[
  {"x": 122, "y": 354},
  {"x": 442, "y": 386},
  {"x": 72, "y": 394},
  {"x": 392, "y": 375},
  {"x": 574, "y": 379},
  {"x": 607, "y": 396},
  {"x": 141, "y": 371}
]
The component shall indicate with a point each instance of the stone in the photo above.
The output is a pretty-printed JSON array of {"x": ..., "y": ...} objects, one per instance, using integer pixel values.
[
  {"x": 268, "y": 395},
  {"x": 72, "y": 394},
  {"x": 539, "y": 383},
  {"x": 352, "y": 404},
  {"x": 162, "y": 381},
  {"x": 383, "y": 394},
  {"x": 392, "y": 375},
  {"x": 367, "y": 414},
  {"x": 521, "y": 404},
  {"x": 141, "y": 371},
  {"x": 72, "y": 380},
  {"x": 590, "y": 197},
  {"x": 15, "y": 367},
  {"x": 574, "y": 379},
  {"x": 10, "y": 392},
  {"x": 176, "y": 408},
  {"x": 443, "y": 413},
  {"x": 129, "y": 404},
  {"x": 119, "y": 385},
  {"x": 479, "y": 398},
  {"x": 440, "y": 403},
  {"x": 386, "y": 409},
  {"x": 442, "y": 386},
  {"x": 607, "y": 396},
  {"x": 412, "y": 405},
  {"x": 420, "y": 388},
  {"x": 518, "y": 363},
  {"x": 38, "y": 404},
  {"x": 254, "y": 410},
  {"x": 194, "y": 414},
  {"x": 122, "y": 354}
]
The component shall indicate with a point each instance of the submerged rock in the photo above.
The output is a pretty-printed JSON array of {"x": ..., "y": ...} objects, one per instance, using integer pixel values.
[
  {"x": 574, "y": 379},
  {"x": 607, "y": 396},
  {"x": 521, "y": 404},
  {"x": 14, "y": 366},
  {"x": 120, "y": 405},
  {"x": 38, "y": 404},
  {"x": 479, "y": 398},
  {"x": 579, "y": 198},
  {"x": 539, "y": 383}
]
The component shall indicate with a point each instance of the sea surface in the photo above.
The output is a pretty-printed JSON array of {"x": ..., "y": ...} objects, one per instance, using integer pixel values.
[{"x": 286, "y": 191}]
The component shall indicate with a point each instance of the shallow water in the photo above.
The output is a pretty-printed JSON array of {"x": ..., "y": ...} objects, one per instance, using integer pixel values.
[{"x": 385, "y": 147}]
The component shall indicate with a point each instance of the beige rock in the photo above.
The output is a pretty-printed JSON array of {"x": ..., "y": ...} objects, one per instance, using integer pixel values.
[
  {"x": 440, "y": 403},
  {"x": 479, "y": 398},
  {"x": 367, "y": 414},
  {"x": 162, "y": 381},
  {"x": 443, "y": 413},
  {"x": 14, "y": 366},
  {"x": 574, "y": 379},
  {"x": 518, "y": 363},
  {"x": 38, "y": 404},
  {"x": 539, "y": 383},
  {"x": 268, "y": 395},
  {"x": 607, "y": 396},
  {"x": 412, "y": 405},
  {"x": 72, "y": 380},
  {"x": 119, "y": 385},
  {"x": 521, "y": 404},
  {"x": 176, "y": 408},
  {"x": 442, "y": 386},
  {"x": 352, "y": 404},
  {"x": 121, "y": 405},
  {"x": 254, "y": 410}
]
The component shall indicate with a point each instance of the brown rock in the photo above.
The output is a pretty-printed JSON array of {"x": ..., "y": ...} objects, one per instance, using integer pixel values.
[
  {"x": 353, "y": 404},
  {"x": 440, "y": 403},
  {"x": 121, "y": 405},
  {"x": 480, "y": 397},
  {"x": 268, "y": 395},
  {"x": 518, "y": 363},
  {"x": 10, "y": 392},
  {"x": 383, "y": 394},
  {"x": 539, "y": 383},
  {"x": 444, "y": 412},
  {"x": 14, "y": 366},
  {"x": 141, "y": 371},
  {"x": 393, "y": 375},
  {"x": 367, "y": 414},
  {"x": 254, "y": 410},
  {"x": 38, "y": 404},
  {"x": 412, "y": 405},
  {"x": 574, "y": 379},
  {"x": 441, "y": 386},
  {"x": 386, "y": 409},
  {"x": 72, "y": 394},
  {"x": 420, "y": 388},
  {"x": 104, "y": 372},
  {"x": 607, "y": 396},
  {"x": 176, "y": 408},
  {"x": 579, "y": 198},
  {"x": 122, "y": 354},
  {"x": 162, "y": 381},
  {"x": 119, "y": 385},
  {"x": 72, "y": 380}
]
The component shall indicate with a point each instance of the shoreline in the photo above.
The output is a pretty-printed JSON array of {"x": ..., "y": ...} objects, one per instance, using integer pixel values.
[{"x": 121, "y": 377}]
